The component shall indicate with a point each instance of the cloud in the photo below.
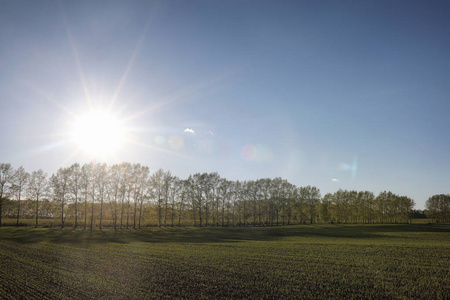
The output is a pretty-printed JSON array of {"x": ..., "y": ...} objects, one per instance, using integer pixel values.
[
  {"x": 334, "y": 179},
  {"x": 210, "y": 132},
  {"x": 189, "y": 130}
]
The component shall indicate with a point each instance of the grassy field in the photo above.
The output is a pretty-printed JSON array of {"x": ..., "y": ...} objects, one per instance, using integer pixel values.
[{"x": 309, "y": 262}]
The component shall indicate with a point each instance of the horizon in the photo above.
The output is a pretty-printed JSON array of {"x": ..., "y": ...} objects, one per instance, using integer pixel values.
[{"x": 349, "y": 95}]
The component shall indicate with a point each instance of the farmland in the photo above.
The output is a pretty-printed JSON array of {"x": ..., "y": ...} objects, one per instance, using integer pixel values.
[{"x": 302, "y": 261}]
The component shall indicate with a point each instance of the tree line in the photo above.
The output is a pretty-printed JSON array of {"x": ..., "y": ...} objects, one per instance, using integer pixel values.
[{"x": 130, "y": 196}]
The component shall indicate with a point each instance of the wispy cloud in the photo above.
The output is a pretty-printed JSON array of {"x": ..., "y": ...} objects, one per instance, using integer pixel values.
[
  {"x": 210, "y": 132},
  {"x": 189, "y": 130},
  {"x": 334, "y": 179}
]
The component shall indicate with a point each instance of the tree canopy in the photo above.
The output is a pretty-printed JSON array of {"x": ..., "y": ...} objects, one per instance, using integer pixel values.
[{"x": 130, "y": 195}]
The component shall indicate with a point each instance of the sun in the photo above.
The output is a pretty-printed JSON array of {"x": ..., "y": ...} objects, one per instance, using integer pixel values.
[{"x": 98, "y": 134}]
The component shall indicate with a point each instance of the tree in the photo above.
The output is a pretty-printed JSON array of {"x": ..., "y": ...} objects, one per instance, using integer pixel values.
[
  {"x": 126, "y": 169},
  {"x": 406, "y": 206},
  {"x": 101, "y": 182},
  {"x": 93, "y": 189},
  {"x": 213, "y": 180},
  {"x": 115, "y": 179},
  {"x": 140, "y": 180},
  {"x": 311, "y": 197},
  {"x": 146, "y": 193},
  {"x": 196, "y": 184},
  {"x": 204, "y": 199},
  {"x": 76, "y": 176},
  {"x": 157, "y": 183},
  {"x": 275, "y": 192},
  {"x": 265, "y": 185},
  {"x": 224, "y": 194},
  {"x": 174, "y": 193},
  {"x": 19, "y": 182},
  {"x": 37, "y": 187},
  {"x": 338, "y": 205},
  {"x": 183, "y": 196},
  {"x": 6, "y": 173},
  {"x": 86, "y": 170},
  {"x": 128, "y": 182},
  {"x": 60, "y": 186},
  {"x": 325, "y": 207},
  {"x": 366, "y": 203},
  {"x": 438, "y": 207}
]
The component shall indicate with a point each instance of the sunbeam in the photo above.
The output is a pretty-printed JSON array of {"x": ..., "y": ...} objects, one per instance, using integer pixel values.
[
  {"x": 77, "y": 58},
  {"x": 130, "y": 64}
]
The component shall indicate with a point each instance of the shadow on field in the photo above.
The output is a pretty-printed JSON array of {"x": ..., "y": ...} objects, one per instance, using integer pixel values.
[{"x": 215, "y": 234}]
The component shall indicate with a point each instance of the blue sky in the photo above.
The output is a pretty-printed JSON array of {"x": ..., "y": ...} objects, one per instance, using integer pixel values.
[{"x": 311, "y": 91}]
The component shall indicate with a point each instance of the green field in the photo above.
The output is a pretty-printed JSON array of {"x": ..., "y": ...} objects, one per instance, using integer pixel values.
[{"x": 301, "y": 262}]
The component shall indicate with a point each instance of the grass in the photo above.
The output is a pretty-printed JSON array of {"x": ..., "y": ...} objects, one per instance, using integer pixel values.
[{"x": 302, "y": 262}]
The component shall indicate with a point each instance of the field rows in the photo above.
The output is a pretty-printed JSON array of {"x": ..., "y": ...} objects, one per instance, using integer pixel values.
[{"x": 65, "y": 265}]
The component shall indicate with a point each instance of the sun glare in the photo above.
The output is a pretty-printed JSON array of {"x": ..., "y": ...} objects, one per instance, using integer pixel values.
[{"x": 98, "y": 134}]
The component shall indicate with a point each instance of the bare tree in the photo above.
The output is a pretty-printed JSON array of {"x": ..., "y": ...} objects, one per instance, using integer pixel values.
[
  {"x": 204, "y": 199},
  {"x": 115, "y": 178},
  {"x": 168, "y": 180},
  {"x": 6, "y": 172},
  {"x": 37, "y": 187},
  {"x": 146, "y": 194},
  {"x": 184, "y": 195},
  {"x": 19, "y": 183},
  {"x": 157, "y": 183},
  {"x": 93, "y": 190},
  {"x": 174, "y": 193},
  {"x": 85, "y": 188},
  {"x": 128, "y": 188},
  {"x": 75, "y": 187},
  {"x": 213, "y": 184},
  {"x": 139, "y": 179},
  {"x": 237, "y": 187},
  {"x": 126, "y": 169},
  {"x": 60, "y": 186},
  {"x": 101, "y": 183},
  {"x": 224, "y": 195},
  {"x": 140, "y": 194}
]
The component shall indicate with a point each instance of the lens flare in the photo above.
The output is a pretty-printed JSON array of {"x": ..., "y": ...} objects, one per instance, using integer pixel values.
[
  {"x": 350, "y": 167},
  {"x": 160, "y": 140},
  {"x": 259, "y": 153},
  {"x": 176, "y": 142}
]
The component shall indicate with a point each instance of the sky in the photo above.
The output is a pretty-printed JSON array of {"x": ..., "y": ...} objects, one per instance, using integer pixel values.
[{"x": 335, "y": 94}]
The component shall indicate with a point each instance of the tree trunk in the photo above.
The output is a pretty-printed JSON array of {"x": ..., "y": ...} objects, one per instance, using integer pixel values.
[
  {"x": 92, "y": 215},
  {"x": 140, "y": 213},
  {"x": 85, "y": 211},
  {"x": 121, "y": 211},
  {"x": 173, "y": 210},
  {"x": 37, "y": 211},
  {"x": 159, "y": 211},
  {"x": 62, "y": 213},
  {"x": 115, "y": 213},
  {"x": 101, "y": 212},
  {"x": 18, "y": 211},
  {"x": 200, "y": 212},
  {"x": 135, "y": 212},
  {"x": 1, "y": 208},
  {"x": 76, "y": 211},
  {"x": 128, "y": 211},
  {"x": 223, "y": 211},
  {"x": 179, "y": 212},
  {"x": 165, "y": 208},
  {"x": 277, "y": 216}
]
